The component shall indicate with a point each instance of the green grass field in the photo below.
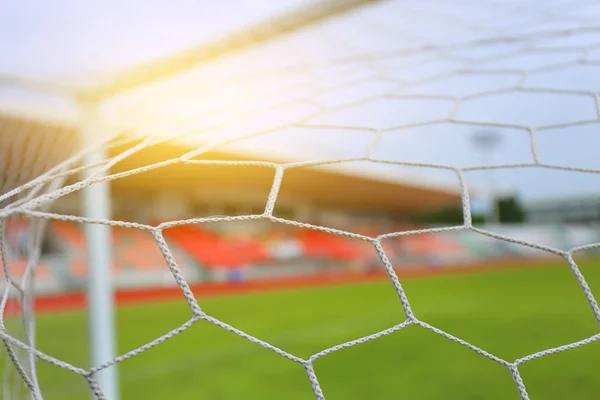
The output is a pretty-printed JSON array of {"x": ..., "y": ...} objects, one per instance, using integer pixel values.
[{"x": 509, "y": 313}]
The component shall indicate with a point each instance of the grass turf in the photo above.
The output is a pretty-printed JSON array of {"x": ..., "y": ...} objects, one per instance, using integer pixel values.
[{"x": 509, "y": 313}]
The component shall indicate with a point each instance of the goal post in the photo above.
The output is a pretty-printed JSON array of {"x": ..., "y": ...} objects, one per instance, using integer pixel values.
[
  {"x": 101, "y": 305},
  {"x": 17, "y": 187}
]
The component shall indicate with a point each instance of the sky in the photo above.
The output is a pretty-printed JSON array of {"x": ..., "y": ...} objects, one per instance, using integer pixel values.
[
  {"x": 408, "y": 68},
  {"x": 76, "y": 39}
]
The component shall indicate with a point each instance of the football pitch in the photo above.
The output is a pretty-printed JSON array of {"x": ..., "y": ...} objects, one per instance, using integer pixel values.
[{"x": 509, "y": 313}]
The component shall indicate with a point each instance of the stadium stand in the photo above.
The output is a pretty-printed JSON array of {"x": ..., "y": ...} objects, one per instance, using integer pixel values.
[
  {"x": 223, "y": 254},
  {"x": 205, "y": 247},
  {"x": 318, "y": 244},
  {"x": 136, "y": 249},
  {"x": 69, "y": 233}
]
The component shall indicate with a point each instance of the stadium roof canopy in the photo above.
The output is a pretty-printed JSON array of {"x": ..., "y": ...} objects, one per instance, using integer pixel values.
[{"x": 284, "y": 81}]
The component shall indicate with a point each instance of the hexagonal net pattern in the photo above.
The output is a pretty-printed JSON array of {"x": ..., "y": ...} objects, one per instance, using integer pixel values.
[{"x": 387, "y": 67}]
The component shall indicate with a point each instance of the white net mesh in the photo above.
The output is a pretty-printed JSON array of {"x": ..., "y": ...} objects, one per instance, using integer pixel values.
[{"x": 392, "y": 67}]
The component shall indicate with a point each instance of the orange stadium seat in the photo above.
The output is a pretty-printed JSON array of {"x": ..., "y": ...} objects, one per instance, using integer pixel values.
[
  {"x": 18, "y": 266},
  {"x": 70, "y": 232},
  {"x": 319, "y": 244},
  {"x": 428, "y": 244},
  {"x": 78, "y": 266},
  {"x": 213, "y": 251},
  {"x": 136, "y": 249},
  {"x": 145, "y": 244}
]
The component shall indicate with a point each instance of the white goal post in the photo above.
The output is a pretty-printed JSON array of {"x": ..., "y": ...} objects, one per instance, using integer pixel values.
[
  {"x": 96, "y": 205},
  {"x": 368, "y": 70}
]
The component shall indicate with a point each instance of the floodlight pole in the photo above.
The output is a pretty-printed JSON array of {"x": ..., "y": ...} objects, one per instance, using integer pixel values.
[
  {"x": 96, "y": 204},
  {"x": 487, "y": 141}
]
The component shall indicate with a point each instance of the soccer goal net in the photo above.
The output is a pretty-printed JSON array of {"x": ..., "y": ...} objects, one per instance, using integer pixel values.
[{"x": 387, "y": 84}]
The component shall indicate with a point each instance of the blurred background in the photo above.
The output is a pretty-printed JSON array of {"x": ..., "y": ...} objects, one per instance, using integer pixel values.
[{"x": 388, "y": 116}]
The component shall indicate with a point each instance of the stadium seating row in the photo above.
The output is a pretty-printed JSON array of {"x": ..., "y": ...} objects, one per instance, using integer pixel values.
[
  {"x": 212, "y": 254},
  {"x": 137, "y": 250}
]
